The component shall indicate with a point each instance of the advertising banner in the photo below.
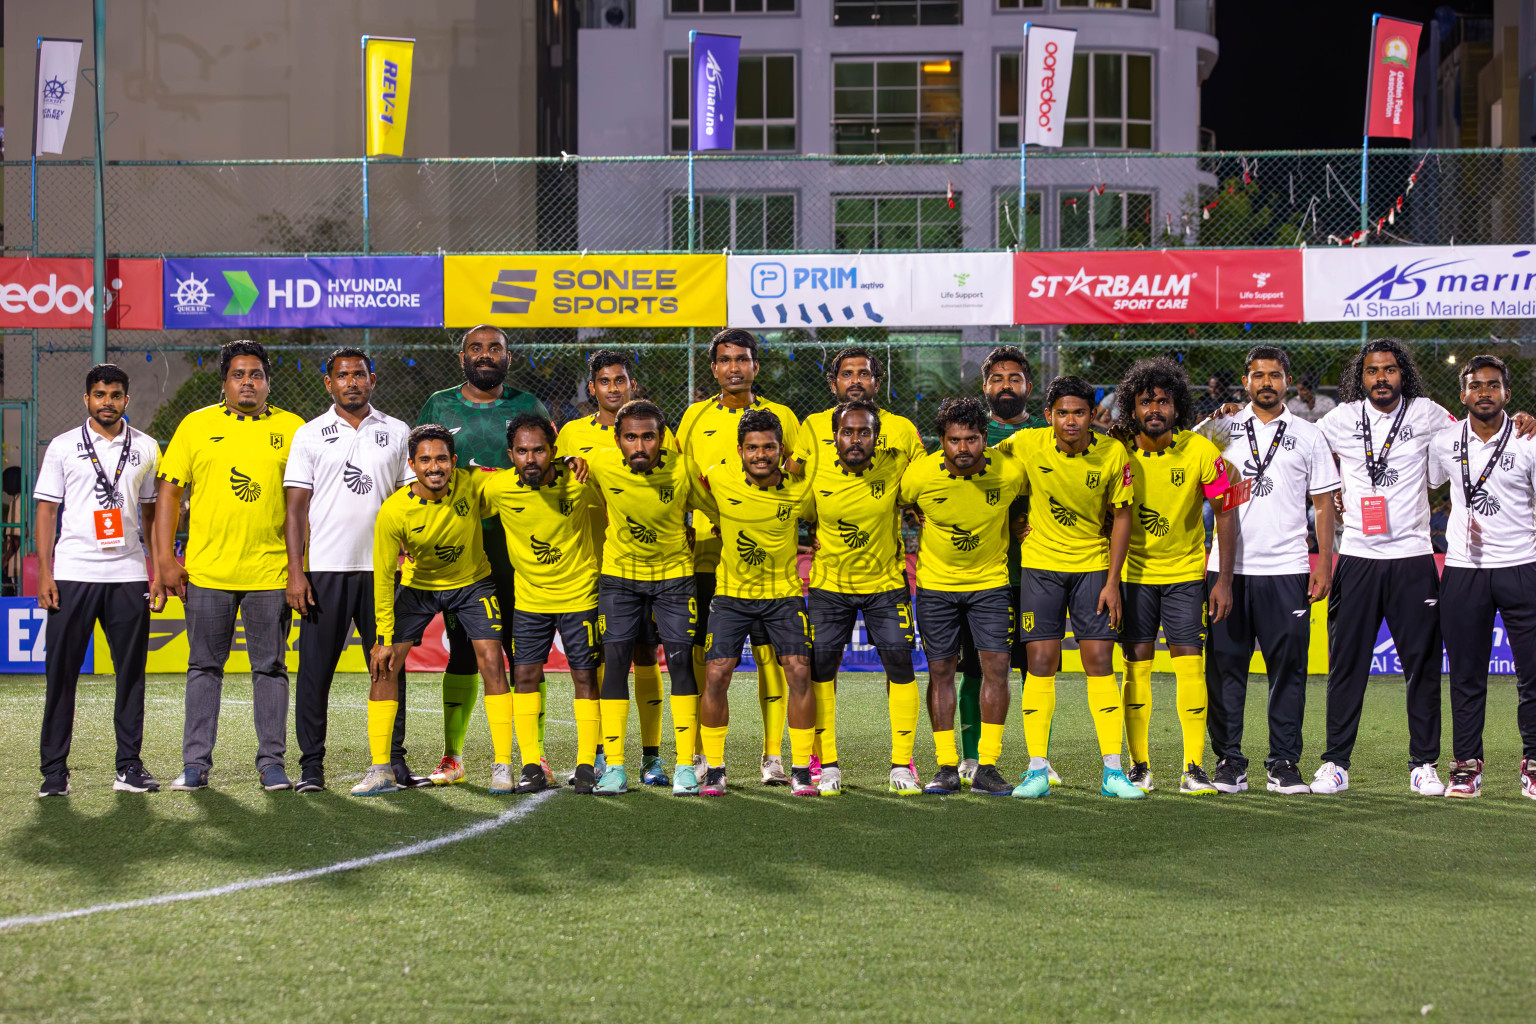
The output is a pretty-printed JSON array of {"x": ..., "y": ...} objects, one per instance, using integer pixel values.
[
  {"x": 1420, "y": 282},
  {"x": 297, "y": 291},
  {"x": 23, "y": 645},
  {"x": 715, "y": 60},
  {"x": 584, "y": 291},
  {"x": 920, "y": 290},
  {"x": 1389, "y": 103},
  {"x": 58, "y": 293},
  {"x": 1210, "y": 286},
  {"x": 1047, "y": 78},
  {"x": 58, "y": 61},
  {"x": 386, "y": 93}
]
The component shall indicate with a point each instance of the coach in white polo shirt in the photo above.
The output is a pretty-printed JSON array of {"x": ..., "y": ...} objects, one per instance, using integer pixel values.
[
  {"x": 1490, "y": 566},
  {"x": 344, "y": 463},
  {"x": 1278, "y": 462},
  {"x": 95, "y": 488}
]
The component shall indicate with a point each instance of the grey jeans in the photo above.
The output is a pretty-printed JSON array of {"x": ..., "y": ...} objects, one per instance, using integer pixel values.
[{"x": 210, "y": 634}]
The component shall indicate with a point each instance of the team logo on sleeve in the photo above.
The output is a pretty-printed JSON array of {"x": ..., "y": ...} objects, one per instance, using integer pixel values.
[
  {"x": 356, "y": 480},
  {"x": 277, "y": 439},
  {"x": 546, "y": 554},
  {"x": 1154, "y": 522},
  {"x": 994, "y": 496},
  {"x": 665, "y": 494},
  {"x": 244, "y": 487},
  {"x": 751, "y": 552},
  {"x": 963, "y": 539},
  {"x": 381, "y": 438},
  {"x": 1093, "y": 480},
  {"x": 877, "y": 488},
  {"x": 640, "y": 532},
  {"x": 1178, "y": 478},
  {"x": 852, "y": 536},
  {"x": 448, "y": 553},
  {"x": 1062, "y": 514}
]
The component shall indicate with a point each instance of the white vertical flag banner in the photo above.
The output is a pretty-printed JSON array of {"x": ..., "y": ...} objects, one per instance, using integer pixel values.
[
  {"x": 58, "y": 63},
  {"x": 1047, "y": 80}
]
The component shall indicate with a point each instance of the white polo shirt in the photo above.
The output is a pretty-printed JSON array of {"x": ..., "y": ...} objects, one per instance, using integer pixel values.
[
  {"x": 1404, "y": 484},
  {"x": 350, "y": 472},
  {"x": 1500, "y": 529},
  {"x": 66, "y": 477},
  {"x": 1272, "y": 522}
]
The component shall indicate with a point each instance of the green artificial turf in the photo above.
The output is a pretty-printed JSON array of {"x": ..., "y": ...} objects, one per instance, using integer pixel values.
[{"x": 1369, "y": 906}]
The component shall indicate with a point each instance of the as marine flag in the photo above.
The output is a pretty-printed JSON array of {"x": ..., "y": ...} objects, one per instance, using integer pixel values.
[
  {"x": 386, "y": 93},
  {"x": 1047, "y": 80},
  {"x": 713, "y": 61},
  {"x": 58, "y": 61},
  {"x": 1389, "y": 99}
]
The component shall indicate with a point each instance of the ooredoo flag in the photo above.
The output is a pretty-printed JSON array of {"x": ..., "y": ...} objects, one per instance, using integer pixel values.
[
  {"x": 714, "y": 60},
  {"x": 386, "y": 93},
  {"x": 1389, "y": 103},
  {"x": 1047, "y": 79},
  {"x": 58, "y": 61}
]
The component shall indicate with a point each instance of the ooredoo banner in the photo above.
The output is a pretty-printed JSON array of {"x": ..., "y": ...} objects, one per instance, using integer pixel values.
[
  {"x": 919, "y": 290},
  {"x": 1158, "y": 286},
  {"x": 1047, "y": 77},
  {"x": 58, "y": 293},
  {"x": 298, "y": 291},
  {"x": 584, "y": 291},
  {"x": 1389, "y": 282}
]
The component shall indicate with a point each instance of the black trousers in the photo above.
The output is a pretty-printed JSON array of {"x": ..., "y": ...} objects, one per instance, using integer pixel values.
[
  {"x": 341, "y": 599},
  {"x": 1405, "y": 592},
  {"x": 1274, "y": 611},
  {"x": 123, "y": 611},
  {"x": 1468, "y": 600}
]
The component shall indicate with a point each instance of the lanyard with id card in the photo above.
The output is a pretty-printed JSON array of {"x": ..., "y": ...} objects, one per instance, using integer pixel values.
[
  {"x": 108, "y": 521},
  {"x": 1373, "y": 507}
]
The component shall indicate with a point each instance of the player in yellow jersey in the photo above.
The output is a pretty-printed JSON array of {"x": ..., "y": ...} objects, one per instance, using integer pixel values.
[
  {"x": 1079, "y": 482},
  {"x": 963, "y": 492},
  {"x": 646, "y": 585},
  {"x": 708, "y": 433},
  {"x": 436, "y": 522},
  {"x": 854, "y": 375},
  {"x": 546, "y": 514},
  {"x": 611, "y": 384},
  {"x": 1174, "y": 472},
  {"x": 757, "y": 509},
  {"x": 860, "y": 567}
]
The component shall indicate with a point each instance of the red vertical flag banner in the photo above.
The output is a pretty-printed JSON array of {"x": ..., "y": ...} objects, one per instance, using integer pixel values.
[{"x": 1394, "y": 52}]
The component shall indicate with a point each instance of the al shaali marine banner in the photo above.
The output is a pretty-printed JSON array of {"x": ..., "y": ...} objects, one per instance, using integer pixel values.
[
  {"x": 584, "y": 291},
  {"x": 918, "y": 290},
  {"x": 296, "y": 291},
  {"x": 1399, "y": 282}
]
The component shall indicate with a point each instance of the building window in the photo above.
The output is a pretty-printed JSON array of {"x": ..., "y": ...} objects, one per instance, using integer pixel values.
[
  {"x": 896, "y": 222},
  {"x": 897, "y": 105},
  {"x": 732, "y": 6},
  {"x": 1108, "y": 220},
  {"x": 1020, "y": 5},
  {"x": 1107, "y": 5},
  {"x": 765, "y": 103},
  {"x": 1008, "y": 101},
  {"x": 1110, "y": 103},
  {"x": 741, "y": 221},
  {"x": 886, "y": 13},
  {"x": 1008, "y": 219}
]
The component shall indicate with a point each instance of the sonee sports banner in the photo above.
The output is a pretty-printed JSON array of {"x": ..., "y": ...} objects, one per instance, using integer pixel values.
[{"x": 584, "y": 291}]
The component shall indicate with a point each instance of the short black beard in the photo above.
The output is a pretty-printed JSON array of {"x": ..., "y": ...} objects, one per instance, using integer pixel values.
[
  {"x": 486, "y": 378},
  {"x": 533, "y": 480},
  {"x": 1006, "y": 407},
  {"x": 1271, "y": 405},
  {"x": 1141, "y": 428},
  {"x": 863, "y": 461},
  {"x": 362, "y": 403},
  {"x": 1371, "y": 397},
  {"x": 1489, "y": 417}
]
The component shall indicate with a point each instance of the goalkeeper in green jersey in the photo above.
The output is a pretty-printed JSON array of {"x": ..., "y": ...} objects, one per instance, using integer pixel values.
[{"x": 477, "y": 413}]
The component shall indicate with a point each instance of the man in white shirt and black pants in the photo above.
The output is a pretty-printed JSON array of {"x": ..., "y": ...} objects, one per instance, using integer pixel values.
[
  {"x": 96, "y": 487},
  {"x": 344, "y": 463},
  {"x": 1490, "y": 566},
  {"x": 1278, "y": 462}
]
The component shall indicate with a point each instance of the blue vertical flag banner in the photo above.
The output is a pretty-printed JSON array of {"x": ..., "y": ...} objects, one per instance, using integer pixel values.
[
  {"x": 714, "y": 60},
  {"x": 320, "y": 291}
]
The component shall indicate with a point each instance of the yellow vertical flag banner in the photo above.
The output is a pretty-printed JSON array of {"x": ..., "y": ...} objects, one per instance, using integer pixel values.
[{"x": 386, "y": 93}]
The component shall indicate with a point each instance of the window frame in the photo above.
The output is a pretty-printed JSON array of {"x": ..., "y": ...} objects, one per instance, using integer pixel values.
[
  {"x": 1125, "y": 120},
  {"x": 1091, "y": 7},
  {"x": 681, "y": 244},
  {"x": 1039, "y": 8},
  {"x": 919, "y": 4},
  {"x": 1062, "y": 191},
  {"x": 765, "y": 122},
  {"x": 916, "y": 119},
  {"x": 669, "y": 13},
  {"x": 878, "y": 197}
]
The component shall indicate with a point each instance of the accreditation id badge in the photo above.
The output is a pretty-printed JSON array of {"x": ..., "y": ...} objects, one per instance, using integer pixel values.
[
  {"x": 109, "y": 528},
  {"x": 1373, "y": 514},
  {"x": 1237, "y": 494}
]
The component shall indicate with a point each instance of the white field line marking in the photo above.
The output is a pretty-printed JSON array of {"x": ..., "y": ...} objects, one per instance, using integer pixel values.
[{"x": 507, "y": 817}]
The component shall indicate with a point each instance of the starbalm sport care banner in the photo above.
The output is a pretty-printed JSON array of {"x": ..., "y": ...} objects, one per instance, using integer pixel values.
[
  {"x": 58, "y": 62},
  {"x": 386, "y": 93},
  {"x": 1047, "y": 80},
  {"x": 713, "y": 61},
  {"x": 1389, "y": 102}
]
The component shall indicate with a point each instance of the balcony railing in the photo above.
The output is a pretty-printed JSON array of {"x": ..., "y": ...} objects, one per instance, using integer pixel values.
[{"x": 870, "y": 136}]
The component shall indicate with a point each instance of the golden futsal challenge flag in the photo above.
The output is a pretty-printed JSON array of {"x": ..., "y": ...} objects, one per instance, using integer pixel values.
[{"x": 386, "y": 93}]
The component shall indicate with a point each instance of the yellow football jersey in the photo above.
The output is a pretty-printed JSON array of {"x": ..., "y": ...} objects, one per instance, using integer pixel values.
[
  {"x": 234, "y": 465},
  {"x": 1167, "y": 529},
  {"x": 964, "y": 542},
  {"x": 581, "y": 437},
  {"x": 759, "y": 531},
  {"x": 647, "y": 534},
  {"x": 442, "y": 541},
  {"x": 549, "y": 539},
  {"x": 1068, "y": 499},
  {"x": 707, "y": 435},
  {"x": 858, "y": 531},
  {"x": 814, "y": 442}
]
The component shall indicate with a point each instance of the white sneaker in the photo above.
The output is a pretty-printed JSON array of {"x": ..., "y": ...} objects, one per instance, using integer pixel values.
[
  {"x": 904, "y": 782},
  {"x": 1330, "y": 778},
  {"x": 501, "y": 779},
  {"x": 1425, "y": 781},
  {"x": 968, "y": 771},
  {"x": 773, "y": 771},
  {"x": 831, "y": 781}
]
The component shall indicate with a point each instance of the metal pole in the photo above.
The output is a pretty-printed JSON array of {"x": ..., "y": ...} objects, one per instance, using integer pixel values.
[
  {"x": 1023, "y": 94},
  {"x": 99, "y": 255}
]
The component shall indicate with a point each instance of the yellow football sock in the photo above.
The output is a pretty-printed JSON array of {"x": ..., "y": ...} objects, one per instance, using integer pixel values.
[
  {"x": 615, "y": 714},
  {"x": 1108, "y": 713},
  {"x": 1189, "y": 681},
  {"x": 713, "y": 739},
  {"x": 800, "y": 742},
  {"x": 1137, "y": 698},
  {"x": 648, "y": 703},
  {"x": 905, "y": 704},
  {"x": 685, "y": 726},
  {"x": 826, "y": 721},
  {"x": 381, "y": 728},
  {"x": 772, "y": 695},
  {"x": 498, "y": 714},
  {"x": 989, "y": 749},
  {"x": 589, "y": 731},
  {"x": 1039, "y": 710},
  {"x": 525, "y": 718},
  {"x": 944, "y": 747}
]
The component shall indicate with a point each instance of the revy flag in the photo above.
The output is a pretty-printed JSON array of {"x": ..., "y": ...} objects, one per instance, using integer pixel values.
[
  {"x": 386, "y": 93},
  {"x": 1389, "y": 98},
  {"x": 58, "y": 61},
  {"x": 1047, "y": 80},
  {"x": 713, "y": 60}
]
